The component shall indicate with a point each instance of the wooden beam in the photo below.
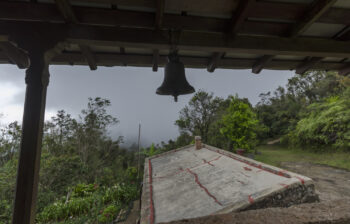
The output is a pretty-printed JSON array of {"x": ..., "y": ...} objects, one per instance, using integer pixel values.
[
  {"x": 159, "y": 13},
  {"x": 210, "y": 42},
  {"x": 345, "y": 70},
  {"x": 214, "y": 60},
  {"x": 237, "y": 20},
  {"x": 108, "y": 59},
  {"x": 316, "y": 10},
  {"x": 90, "y": 58},
  {"x": 261, "y": 63},
  {"x": 17, "y": 56},
  {"x": 196, "y": 41},
  {"x": 308, "y": 64},
  {"x": 66, "y": 10},
  {"x": 155, "y": 60},
  {"x": 343, "y": 35},
  {"x": 240, "y": 15},
  {"x": 69, "y": 16}
]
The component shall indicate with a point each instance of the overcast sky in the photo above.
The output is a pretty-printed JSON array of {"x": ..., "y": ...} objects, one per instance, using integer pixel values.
[{"x": 132, "y": 93}]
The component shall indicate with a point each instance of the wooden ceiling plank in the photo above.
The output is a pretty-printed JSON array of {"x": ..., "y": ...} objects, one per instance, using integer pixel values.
[
  {"x": 89, "y": 56},
  {"x": 316, "y": 10},
  {"x": 16, "y": 55},
  {"x": 308, "y": 64},
  {"x": 261, "y": 63}
]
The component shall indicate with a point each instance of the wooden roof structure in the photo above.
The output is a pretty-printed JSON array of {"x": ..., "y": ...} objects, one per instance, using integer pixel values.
[{"x": 235, "y": 34}]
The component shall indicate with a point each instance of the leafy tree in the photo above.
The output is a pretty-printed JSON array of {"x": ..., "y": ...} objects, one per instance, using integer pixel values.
[
  {"x": 280, "y": 111},
  {"x": 9, "y": 141},
  {"x": 151, "y": 151},
  {"x": 200, "y": 114},
  {"x": 325, "y": 123},
  {"x": 239, "y": 124}
]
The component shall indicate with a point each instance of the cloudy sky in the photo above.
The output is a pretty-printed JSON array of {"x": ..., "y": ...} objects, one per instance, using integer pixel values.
[{"x": 132, "y": 93}]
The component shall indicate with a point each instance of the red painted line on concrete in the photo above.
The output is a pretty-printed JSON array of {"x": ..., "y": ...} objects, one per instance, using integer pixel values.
[
  {"x": 209, "y": 162},
  {"x": 259, "y": 166},
  {"x": 151, "y": 215},
  {"x": 247, "y": 168},
  {"x": 302, "y": 181},
  {"x": 204, "y": 188},
  {"x": 251, "y": 200}
]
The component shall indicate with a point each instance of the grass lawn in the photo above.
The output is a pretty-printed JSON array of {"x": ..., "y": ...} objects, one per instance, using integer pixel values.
[{"x": 275, "y": 154}]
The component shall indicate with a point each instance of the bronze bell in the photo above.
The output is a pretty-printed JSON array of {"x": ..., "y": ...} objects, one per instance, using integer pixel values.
[{"x": 175, "y": 82}]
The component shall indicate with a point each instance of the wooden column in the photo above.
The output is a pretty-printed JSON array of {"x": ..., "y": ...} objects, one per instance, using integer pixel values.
[{"x": 37, "y": 79}]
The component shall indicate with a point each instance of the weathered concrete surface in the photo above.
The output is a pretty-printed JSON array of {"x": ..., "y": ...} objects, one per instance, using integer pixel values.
[
  {"x": 189, "y": 183},
  {"x": 328, "y": 212}
]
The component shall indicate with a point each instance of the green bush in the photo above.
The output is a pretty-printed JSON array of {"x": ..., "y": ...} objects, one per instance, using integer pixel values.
[
  {"x": 325, "y": 124},
  {"x": 89, "y": 199},
  {"x": 108, "y": 214},
  {"x": 5, "y": 210}
]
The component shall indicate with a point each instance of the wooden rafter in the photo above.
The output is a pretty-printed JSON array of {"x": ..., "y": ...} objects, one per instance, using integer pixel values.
[
  {"x": 155, "y": 60},
  {"x": 317, "y": 9},
  {"x": 261, "y": 10},
  {"x": 159, "y": 13},
  {"x": 66, "y": 11},
  {"x": 240, "y": 15},
  {"x": 237, "y": 20},
  {"x": 307, "y": 64},
  {"x": 15, "y": 55},
  {"x": 261, "y": 63},
  {"x": 160, "y": 5},
  {"x": 214, "y": 60},
  {"x": 69, "y": 16},
  {"x": 90, "y": 57},
  {"x": 343, "y": 35},
  {"x": 197, "y": 41}
]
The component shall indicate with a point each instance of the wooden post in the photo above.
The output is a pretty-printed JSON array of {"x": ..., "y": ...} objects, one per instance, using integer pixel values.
[{"x": 37, "y": 78}]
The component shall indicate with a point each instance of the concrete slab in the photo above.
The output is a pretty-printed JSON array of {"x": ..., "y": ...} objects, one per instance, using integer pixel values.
[{"x": 189, "y": 183}]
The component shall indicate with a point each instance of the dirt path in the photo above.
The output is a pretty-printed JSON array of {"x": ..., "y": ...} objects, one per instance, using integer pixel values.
[{"x": 331, "y": 183}]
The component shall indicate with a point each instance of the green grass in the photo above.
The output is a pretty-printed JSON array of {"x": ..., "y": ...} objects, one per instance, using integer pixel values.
[{"x": 276, "y": 154}]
